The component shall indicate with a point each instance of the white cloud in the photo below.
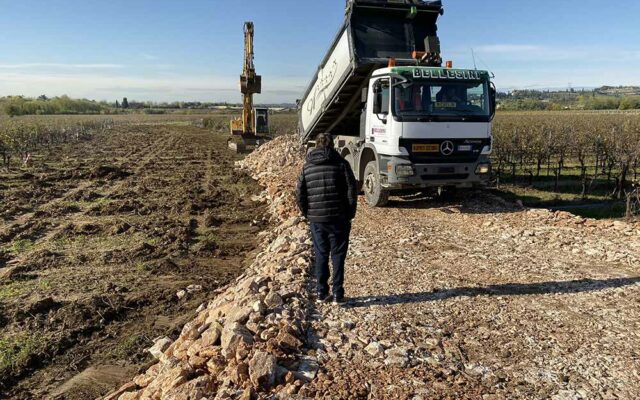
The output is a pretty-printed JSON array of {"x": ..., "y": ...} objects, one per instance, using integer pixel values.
[
  {"x": 60, "y": 66},
  {"x": 168, "y": 87}
]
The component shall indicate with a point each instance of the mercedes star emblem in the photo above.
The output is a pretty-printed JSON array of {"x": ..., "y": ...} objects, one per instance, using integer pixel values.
[{"x": 447, "y": 148}]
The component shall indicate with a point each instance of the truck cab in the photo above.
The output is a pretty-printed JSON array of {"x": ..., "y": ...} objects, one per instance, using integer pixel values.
[{"x": 423, "y": 127}]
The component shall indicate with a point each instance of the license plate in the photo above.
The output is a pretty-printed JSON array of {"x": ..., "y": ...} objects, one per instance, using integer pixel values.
[{"x": 425, "y": 148}]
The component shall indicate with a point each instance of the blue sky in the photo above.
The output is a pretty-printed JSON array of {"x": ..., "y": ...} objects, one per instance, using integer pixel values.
[{"x": 192, "y": 49}]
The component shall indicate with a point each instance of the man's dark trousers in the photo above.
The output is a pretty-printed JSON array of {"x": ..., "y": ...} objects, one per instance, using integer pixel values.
[{"x": 331, "y": 238}]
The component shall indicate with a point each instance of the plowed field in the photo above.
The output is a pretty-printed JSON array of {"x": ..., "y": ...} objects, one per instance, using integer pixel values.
[{"x": 109, "y": 243}]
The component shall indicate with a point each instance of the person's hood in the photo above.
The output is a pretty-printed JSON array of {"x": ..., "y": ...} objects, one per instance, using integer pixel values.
[{"x": 323, "y": 156}]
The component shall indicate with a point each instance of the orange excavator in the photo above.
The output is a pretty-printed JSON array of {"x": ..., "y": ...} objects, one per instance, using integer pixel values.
[{"x": 252, "y": 129}]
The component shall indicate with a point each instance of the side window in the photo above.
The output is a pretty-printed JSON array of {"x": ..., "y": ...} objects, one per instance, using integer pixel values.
[
  {"x": 384, "y": 83},
  {"x": 475, "y": 96}
]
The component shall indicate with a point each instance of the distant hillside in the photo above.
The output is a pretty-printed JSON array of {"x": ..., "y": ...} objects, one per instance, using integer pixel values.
[
  {"x": 619, "y": 91},
  {"x": 603, "y": 98}
]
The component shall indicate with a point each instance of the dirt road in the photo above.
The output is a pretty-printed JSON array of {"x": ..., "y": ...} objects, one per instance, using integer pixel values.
[
  {"x": 481, "y": 300},
  {"x": 109, "y": 243}
]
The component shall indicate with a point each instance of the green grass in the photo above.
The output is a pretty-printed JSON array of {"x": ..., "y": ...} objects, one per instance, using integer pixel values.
[
  {"x": 592, "y": 206},
  {"x": 17, "y": 351},
  {"x": 141, "y": 267},
  {"x": 12, "y": 290},
  {"x": 533, "y": 196},
  {"x": 21, "y": 246}
]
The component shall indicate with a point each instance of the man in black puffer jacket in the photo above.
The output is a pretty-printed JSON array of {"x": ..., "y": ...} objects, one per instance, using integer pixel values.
[{"x": 327, "y": 196}]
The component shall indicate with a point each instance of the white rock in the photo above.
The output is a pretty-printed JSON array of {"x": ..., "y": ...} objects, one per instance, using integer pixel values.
[
  {"x": 375, "y": 349},
  {"x": 194, "y": 288},
  {"x": 159, "y": 347}
]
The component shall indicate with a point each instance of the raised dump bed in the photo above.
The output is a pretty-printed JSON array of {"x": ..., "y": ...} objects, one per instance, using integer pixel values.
[{"x": 373, "y": 32}]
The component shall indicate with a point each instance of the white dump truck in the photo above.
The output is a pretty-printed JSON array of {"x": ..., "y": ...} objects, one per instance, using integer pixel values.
[{"x": 402, "y": 120}]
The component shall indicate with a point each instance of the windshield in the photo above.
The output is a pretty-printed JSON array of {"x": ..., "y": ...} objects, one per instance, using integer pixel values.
[{"x": 441, "y": 99}]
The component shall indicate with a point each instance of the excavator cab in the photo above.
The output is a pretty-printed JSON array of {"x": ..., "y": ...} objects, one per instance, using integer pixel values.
[{"x": 261, "y": 120}]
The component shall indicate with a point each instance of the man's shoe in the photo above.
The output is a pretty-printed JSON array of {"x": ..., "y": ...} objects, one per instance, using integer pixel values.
[
  {"x": 338, "y": 300},
  {"x": 323, "y": 298}
]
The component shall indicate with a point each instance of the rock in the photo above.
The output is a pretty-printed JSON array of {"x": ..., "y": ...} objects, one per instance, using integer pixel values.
[
  {"x": 375, "y": 349},
  {"x": 211, "y": 336},
  {"x": 232, "y": 335},
  {"x": 192, "y": 330},
  {"x": 279, "y": 245},
  {"x": 194, "y": 288},
  {"x": 288, "y": 342},
  {"x": 397, "y": 356},
  {"x": 273, "y": 300},
  {"x": 181, "y": 294},
  {"x": 240, "y": 373},
  {"x": 248, "y": 394},
  {"x": 308, "y": 369},
  {"x": 239, "y": 314},
  {"x": 159, "y": 347},
  {"x": 124, "y": 389},
  {"x": 259, "y": 307},
  {"x": 262, "y": 370}
]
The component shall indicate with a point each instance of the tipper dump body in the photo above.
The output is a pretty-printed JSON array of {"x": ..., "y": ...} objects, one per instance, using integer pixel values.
[{"x": 373, "y": 31}]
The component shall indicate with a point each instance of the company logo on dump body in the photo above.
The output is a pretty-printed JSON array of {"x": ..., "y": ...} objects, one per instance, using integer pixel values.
[{"x": 446, "y": 74}]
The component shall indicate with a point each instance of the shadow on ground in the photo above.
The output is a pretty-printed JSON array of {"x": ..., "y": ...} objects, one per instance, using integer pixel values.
[
  {"x": 509, "y": 289},
  {"x": 466, "y": 202}
]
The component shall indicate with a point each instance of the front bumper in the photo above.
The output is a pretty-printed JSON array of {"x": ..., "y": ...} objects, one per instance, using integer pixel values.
[{"x": 460, "y": 175}]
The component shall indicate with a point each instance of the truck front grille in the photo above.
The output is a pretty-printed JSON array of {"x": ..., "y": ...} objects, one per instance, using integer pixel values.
[
  {"x": 457, "y": 157},
  {"x": 445, "y": 177}
]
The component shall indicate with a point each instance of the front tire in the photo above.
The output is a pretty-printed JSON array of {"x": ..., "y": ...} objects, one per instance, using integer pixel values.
[{"x": 374, "y": 194}]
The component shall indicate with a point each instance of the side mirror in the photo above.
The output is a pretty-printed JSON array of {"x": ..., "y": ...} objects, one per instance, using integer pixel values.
[{"x": 492, "y": 100}]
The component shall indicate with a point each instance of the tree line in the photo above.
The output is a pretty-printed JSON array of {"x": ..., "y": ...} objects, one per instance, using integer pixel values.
[{"x": 19, "y": 105}]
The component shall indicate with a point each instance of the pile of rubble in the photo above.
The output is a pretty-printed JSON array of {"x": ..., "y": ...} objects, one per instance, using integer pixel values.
[
  {"x": 276, "y": 166},
  {"x": 249, "y": 341}
]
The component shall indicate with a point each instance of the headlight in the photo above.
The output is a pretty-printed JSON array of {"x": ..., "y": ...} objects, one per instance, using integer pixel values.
[
  {"x": 483, "y": 169},
  {"x": 486, "y": 150},
  {"x": 404, "y": 170}
]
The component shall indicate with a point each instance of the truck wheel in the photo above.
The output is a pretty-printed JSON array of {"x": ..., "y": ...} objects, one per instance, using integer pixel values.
[
  {"x": 374, "y": 193},
  {"x": 349, "y": 158}
]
